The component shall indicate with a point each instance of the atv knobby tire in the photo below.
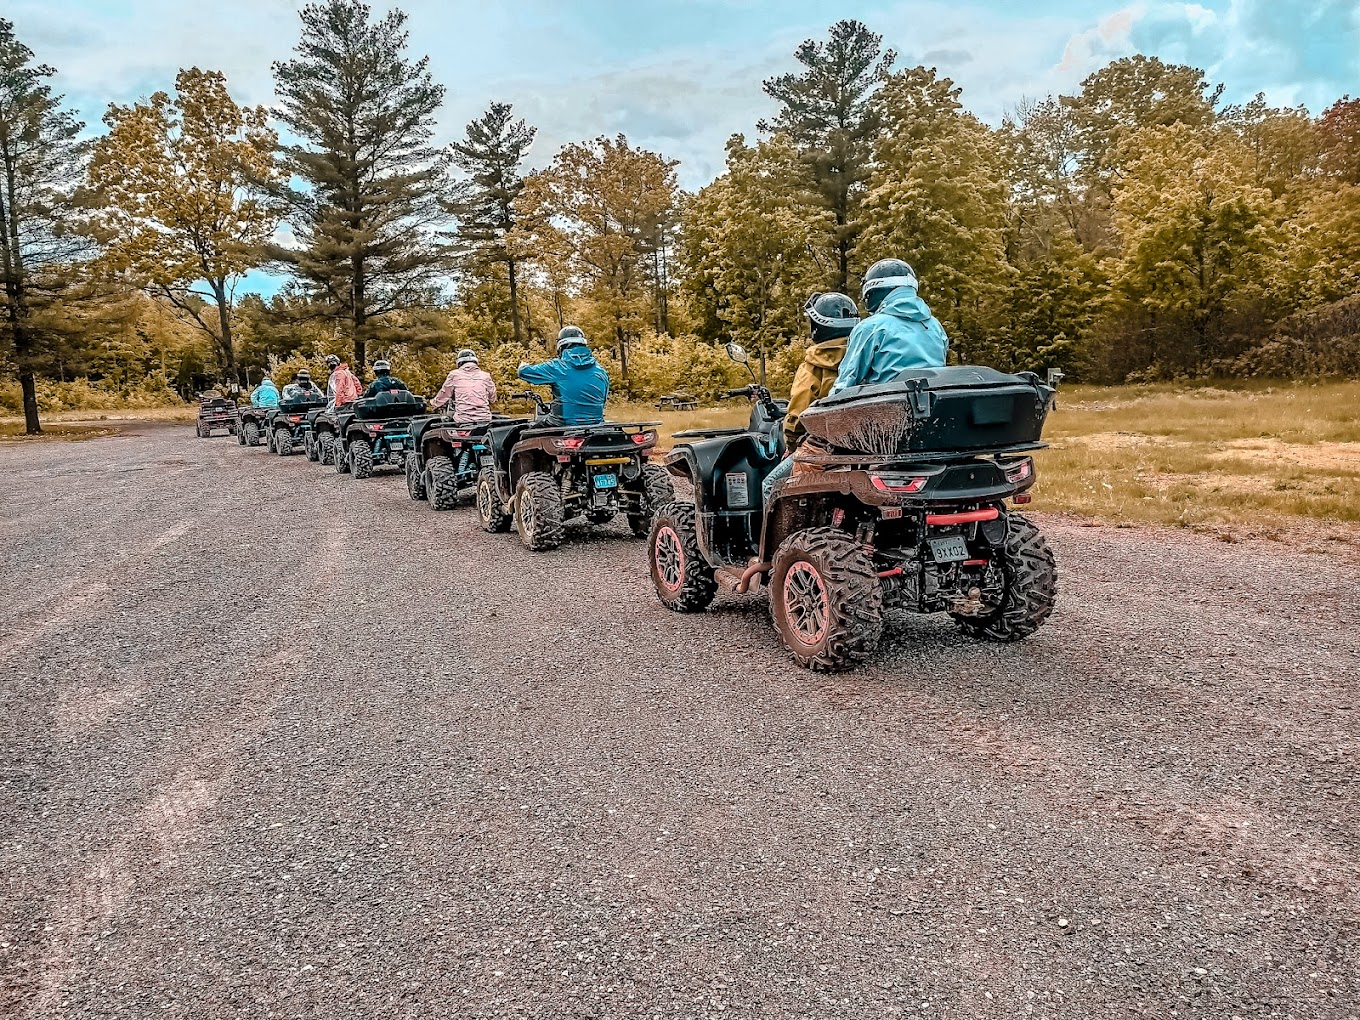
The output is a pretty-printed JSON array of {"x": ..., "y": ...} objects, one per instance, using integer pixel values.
[
  {"x": 309, "y": 447},
  {"x": 252, "y": 433},
  {"x": 657, "y": 490},
  {"x": 441, "y": 483},
  {"x": 826, "y": 599},
  {"x": 240, "y": 436},
  {"x": 539, "y": 511},
  {"x": 415, "y": 478},
  {"x": 361, "y": 459},
  {"x": 283, "y": 442},
  {"x": 682, "y": 577},
  {"x": 340, "y": 457},
  {"x": 490, "y": 513},
  {"x": 325, "y": 444},
  {"x": 1031, "y": 586}
]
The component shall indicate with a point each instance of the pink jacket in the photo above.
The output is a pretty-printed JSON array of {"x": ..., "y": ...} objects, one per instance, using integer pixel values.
[{"x": 472, "y": 393}]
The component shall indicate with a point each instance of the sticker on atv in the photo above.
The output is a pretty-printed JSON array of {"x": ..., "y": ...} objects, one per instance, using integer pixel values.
[{"x": 738, "y": 489}]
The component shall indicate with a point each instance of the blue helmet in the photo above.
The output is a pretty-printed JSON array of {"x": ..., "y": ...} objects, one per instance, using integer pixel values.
[{"x": 884, "y": 277}]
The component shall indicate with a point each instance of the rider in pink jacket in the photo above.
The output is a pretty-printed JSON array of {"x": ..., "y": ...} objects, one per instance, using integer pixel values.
[{"x": 469, "y": 390}]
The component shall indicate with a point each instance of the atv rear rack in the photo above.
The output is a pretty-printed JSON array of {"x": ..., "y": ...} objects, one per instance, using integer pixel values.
[{"x": 933, "y": 457}]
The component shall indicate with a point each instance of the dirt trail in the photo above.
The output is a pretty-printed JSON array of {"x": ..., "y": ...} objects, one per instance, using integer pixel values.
[{"x": 277, "y": 742}]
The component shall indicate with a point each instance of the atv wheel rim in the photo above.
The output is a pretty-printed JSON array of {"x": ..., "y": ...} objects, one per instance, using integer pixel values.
[
  {"x": 484, "y": 502},
  {"x": 670, "y": 560},
  {"x": 805, "y": 603},
  {"x": 526, "y": 513}
]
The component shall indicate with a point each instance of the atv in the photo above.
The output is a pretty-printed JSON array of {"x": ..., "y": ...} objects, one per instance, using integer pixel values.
[
  {"x": 253, "y": 425},
  {"x": 288, "y": 423},
  {"x": 216, "y": 413},
  {"x": 318, "y": 436},
  {"x": 544, "y": 476},
  {"x": 375, "y": 431},
  {"x": 446, "y": 458},
  {"x": 898, "y": 500}
]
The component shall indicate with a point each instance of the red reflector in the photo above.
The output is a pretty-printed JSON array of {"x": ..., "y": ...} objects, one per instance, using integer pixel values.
[
  {"x": 975, "y": 563},
  {"x": 1023, "y": 498},
  {"x": 991, "y": 513},
  {"x": 911, "y": 485}
]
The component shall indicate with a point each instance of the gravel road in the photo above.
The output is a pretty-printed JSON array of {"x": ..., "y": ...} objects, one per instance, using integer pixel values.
[{"x": 275, "y": 742}]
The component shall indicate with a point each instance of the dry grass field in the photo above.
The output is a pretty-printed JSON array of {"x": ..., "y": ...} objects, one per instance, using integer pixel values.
[{"x": 1250, "y": 458}]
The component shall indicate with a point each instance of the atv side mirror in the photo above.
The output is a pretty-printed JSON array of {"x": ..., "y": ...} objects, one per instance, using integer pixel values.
[{"x": 737, "y": 353}]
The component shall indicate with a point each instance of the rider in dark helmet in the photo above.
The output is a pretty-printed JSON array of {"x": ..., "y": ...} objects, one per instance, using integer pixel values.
[
  {"x": 301, "y": 387},
  {"x": 900, "y": 332},
  {"x": 831, "y": 317},
  {"x": 383, "y": 379},
  {"x": 579, "y": 385}
]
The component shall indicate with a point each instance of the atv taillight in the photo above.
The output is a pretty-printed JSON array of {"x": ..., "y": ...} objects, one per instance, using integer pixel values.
[
  {"x": 642, "y": 438},
  {"x": 295, "y": 417},
  {"x": 897, "y": 483},
  {"x": 571, "y": 444},
  {"x": 1020, "y": 472},
  {"x": 462, "y": 433}
]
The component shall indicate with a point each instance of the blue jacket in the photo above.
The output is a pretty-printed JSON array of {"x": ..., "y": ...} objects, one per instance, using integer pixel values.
[
  {"x": 580, "y": 386},
  {"x": 383, "y": 383},
  {"x": 902, "y": 334},
  {"x": 265, "y": 395}
]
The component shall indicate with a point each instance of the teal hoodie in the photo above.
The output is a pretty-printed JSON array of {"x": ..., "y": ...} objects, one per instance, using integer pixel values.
[
  {"x": 265, "y": 395},
  {"x": 902, "y": 334},
  {"x": 580, "y": 386}
]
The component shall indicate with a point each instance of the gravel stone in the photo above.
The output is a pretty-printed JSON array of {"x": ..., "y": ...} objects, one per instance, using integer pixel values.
[{"x": 277, "y": 742}]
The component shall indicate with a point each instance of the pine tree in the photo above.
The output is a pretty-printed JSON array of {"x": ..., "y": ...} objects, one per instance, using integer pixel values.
[
  {"x": 490, "y": 154},
  {"x": 41, "y": 160},
  {"x": 367, "y": 217},
  {"x": 829, "y": 112}
]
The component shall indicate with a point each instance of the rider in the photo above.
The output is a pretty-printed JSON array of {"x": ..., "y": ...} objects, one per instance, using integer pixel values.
[
  {"x": 383, "y": 379},
  {"x": 265, "y": 395},
  {"x": 832, "y": 316},
  {"x": 579, "y": 385},
  {"x": 900, "y": 332},
  {"x": 343, "y": 386},
  {"x": 301, "y": 388},
  {"x": 468, "y": 391}
]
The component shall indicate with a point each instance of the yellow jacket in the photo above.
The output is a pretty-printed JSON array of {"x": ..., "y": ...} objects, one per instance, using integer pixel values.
[{"x": 812, "y": 381}]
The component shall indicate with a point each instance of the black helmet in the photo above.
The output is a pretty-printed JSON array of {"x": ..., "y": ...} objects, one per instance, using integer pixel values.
[
  {"x": 303, "y": 376},
  {"x": 332, "y": 361},
  {"x": 832, "y": 315},
  {"x": 570, "y": 336},
  {"x": 883, "y": 277},
  {"x": 382, "y": 366}
]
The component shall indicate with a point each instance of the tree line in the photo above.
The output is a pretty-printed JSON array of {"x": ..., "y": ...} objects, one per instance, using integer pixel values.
[{"x": 1139, "y": 228}]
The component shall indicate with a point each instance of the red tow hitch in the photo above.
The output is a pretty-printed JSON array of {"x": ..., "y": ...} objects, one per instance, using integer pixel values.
[{"x": 990, "y": 513}]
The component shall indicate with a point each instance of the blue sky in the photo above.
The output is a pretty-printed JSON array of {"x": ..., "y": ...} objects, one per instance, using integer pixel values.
[{"x": 680, "y": 76}]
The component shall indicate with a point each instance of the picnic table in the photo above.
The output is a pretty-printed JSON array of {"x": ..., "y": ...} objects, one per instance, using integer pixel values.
[{"x": 677, "y": 402}]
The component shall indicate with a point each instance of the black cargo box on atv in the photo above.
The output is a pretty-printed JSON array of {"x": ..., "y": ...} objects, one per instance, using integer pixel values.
[
  {"x": 388, "y": 404},
  {"x": 302, "y": 404},
  {"x": 963, "y": 408}
]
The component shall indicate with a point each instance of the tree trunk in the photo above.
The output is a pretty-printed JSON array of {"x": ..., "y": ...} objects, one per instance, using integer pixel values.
[
  {"x": 514, "y": 299},
  {"x": 623, "y": 351},
  {"x": 224, "y": 340},
  {"x": 32, "y": 425}
]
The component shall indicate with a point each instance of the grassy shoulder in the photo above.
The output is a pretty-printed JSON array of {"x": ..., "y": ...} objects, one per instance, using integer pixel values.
[{"x": 1253, "y": 456}]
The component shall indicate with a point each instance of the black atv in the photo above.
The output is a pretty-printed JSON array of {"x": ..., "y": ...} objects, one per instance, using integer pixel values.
[
  {"x": 544, "y": 476},
  {"x": 897, "y": 501},
  {"x": 288, "y": 422},
  {"x": 446, "y": 458},
  {"x": 253, "y": 426},
  {"x": 216, "y": 413},
  {"x": 319, "y": 435},
  {"x": 375, "y": 431}
]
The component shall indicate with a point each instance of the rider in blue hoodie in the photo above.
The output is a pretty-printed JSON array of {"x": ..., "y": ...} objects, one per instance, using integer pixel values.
[
  {"x": 579, "y": 385},
  {"x": 900, "y": 333},
  {"x": 265, "y": 395}
]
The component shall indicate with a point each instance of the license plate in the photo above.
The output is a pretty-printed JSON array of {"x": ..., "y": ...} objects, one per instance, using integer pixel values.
[
  {"x": 398, "y": 444},
  {"x": 949, "y": 549},
  {"x": 606, "y": 481}
]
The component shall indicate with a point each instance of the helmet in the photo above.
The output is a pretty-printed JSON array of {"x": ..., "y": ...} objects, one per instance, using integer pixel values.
[
  {"x": 832, "y": 315},
  {"x": 382, "y": 366},
  {"x": 332, "y": 361},
  {"x": 303, "y": 376},
  {"x": 467, "y": 356},
  {"x": 570, "y": 336},
  {"x": 883, "y": 277}
]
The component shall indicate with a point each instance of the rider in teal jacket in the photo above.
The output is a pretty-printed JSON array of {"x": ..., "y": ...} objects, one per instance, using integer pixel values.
[
  {"x": 900, "y": 334},
  {"x": 265, "y": 395},
  {"x": 579, "y": 385}
]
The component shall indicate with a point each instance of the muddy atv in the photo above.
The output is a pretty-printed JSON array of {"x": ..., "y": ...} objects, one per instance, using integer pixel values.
[
  {"x": 898, "y": 501},
  {"x": 375, "y": 432},
  {"x": 253, "y": 426},
  {"x": 446, "y": 458},
  {"x": 288, "y": 423},
  {"x": 544, "y": 477},
  {"x": 216, "y": 414}
]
